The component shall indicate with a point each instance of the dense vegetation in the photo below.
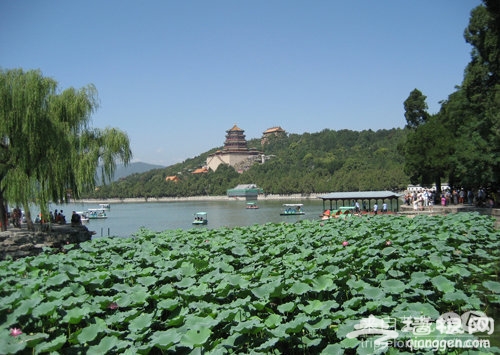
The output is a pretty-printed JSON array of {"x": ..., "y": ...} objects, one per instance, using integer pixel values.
[
  {"x": 274, "y": 288},
  {"x": 298, "y": 163},
  {"x": 461, "y": 143}
]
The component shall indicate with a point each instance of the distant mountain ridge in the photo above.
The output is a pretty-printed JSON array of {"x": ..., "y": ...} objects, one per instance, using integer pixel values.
[{"x": 132, "y": 168}]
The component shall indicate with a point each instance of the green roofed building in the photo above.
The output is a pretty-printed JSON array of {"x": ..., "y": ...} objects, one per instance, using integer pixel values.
[{"x": 248, "y": 191}]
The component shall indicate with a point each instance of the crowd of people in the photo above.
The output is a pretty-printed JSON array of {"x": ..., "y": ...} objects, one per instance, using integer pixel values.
[{"x": 427, "y": 198}]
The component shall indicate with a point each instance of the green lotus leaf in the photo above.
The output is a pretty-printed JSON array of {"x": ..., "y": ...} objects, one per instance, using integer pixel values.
[
  {"x": 237, "y": 280},
  {"x": 333, "y": 349},
  {"x": 312, "y": 306},
  {"x": 373, "y": 293},
  {"x": 199, "y": 290},
  {"x": 195, "y": 337},
  {"x": 252, "y": 326},
  {"x": 388, "y": 250},
  {"x": 457, "y": 296},
  {"x": 90, "y": 332},
  {"x": 186, "y": 282},
  {"x": 264, "y": 291},
  {"x": 323, "y": 283},
  {"x": 418, "y": 278},
  {"x": 443, "y": 284},
  {"x": 393, "y": 286},
  {"x": 57, "y": 280},
  {"x": 187, "y": 269},
  {"x": 74, "y": 315},
  {"x": 356, "y": 285},
  {"x": 165, "y": 339},
  {"x": 105, "y": 345},
  {"x": 493, "y": 286},
  {"x": 53, "y": 345},
  {"x": 299, "y": 288},
  {"x": 286, "y": 307},
  {"x": 273, "y": 321},
  {"x": 169, "y": 304},
  {"x": 319, "y": 323},
  {"x": 239, "y": 251},
  {"x": 147, "y": 280},
  {"x": 45, "y": 309},
  {"x": 33, "y": 339},
  {"x": 11, "y": 345},
  {"x": 165, "y": 291},
  {"x": 140, "y": 323}
]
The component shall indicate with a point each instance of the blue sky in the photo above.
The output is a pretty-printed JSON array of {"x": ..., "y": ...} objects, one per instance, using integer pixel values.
[{"x": 175, "y": 75}]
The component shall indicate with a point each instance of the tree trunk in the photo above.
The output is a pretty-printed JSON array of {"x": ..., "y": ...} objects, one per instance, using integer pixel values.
[
  {"x": 29, "y": 220},
  {"x": 3, "y": 213}
]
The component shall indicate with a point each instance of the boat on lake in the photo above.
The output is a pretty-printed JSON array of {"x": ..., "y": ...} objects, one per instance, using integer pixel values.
[
  {"x": 200, "y": 218},
  {"x": 105, "y": 206},
  {"x": 84, "y": 216},
  {"x": 292, "y": 209},
  {"x": 251, "y": 206},
  {"x": 341, "y": 212},
  {"x": 97, "y": 213}
]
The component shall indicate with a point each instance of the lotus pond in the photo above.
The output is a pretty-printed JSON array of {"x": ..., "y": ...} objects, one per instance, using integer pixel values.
[{"x": 273, "y": 288}]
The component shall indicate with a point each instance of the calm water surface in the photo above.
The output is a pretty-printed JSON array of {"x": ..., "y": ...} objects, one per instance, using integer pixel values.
[{"x": 124, "y": 219}]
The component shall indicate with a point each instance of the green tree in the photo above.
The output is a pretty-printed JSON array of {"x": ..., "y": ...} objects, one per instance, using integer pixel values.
[
  {"x": 416, "y": 109},
  {"x": 48, "y": 151},
  {"x": 481, "y": 87}
]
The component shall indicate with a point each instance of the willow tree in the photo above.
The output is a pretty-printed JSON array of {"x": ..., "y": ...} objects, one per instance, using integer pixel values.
[{"x": 48, "y": 150}]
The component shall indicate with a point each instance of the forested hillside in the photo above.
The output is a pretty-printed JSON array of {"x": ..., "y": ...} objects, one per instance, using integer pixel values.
[{"x": 326, "y": 161}]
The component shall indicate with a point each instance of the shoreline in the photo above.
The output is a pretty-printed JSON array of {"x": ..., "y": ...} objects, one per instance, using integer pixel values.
[{"x": 202, "y": 198}]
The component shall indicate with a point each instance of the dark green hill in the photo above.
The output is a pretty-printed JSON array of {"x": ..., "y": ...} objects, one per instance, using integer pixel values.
[{"x": 326, "y": 161}]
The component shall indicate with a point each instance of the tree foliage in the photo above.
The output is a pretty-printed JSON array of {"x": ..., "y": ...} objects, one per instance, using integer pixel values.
[
  {"x": 416, "y": 109},
  {"x": 461, "y": 142},
  {"x": 48, "y": 150}
]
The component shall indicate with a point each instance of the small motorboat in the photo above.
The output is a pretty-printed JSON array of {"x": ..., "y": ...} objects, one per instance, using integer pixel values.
[
  {"x": 83, "y": 216},
  {"x": 252, "y": 206},
  {"x": 200, "y": 218}
]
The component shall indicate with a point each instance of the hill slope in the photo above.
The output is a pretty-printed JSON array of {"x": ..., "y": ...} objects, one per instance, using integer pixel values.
[{"x": 297, "y": 163}]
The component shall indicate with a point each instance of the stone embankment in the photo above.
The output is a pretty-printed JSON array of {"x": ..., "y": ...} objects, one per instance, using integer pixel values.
[{"x": 16, "y": 243}]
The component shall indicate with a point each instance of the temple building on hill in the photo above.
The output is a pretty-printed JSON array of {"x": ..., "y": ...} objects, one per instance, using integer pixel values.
[
  {"x": 235, "y": 152},
  {"x": 273, "y": 131}
]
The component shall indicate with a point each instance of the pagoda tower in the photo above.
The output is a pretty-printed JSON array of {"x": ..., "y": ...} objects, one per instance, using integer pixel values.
[
  {"x": 235, "y": 152},
  {"x": 235, "y": 140}
]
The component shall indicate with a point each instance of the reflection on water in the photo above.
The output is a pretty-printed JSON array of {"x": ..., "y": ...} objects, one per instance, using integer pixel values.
[{"x": 124, "y": 219}]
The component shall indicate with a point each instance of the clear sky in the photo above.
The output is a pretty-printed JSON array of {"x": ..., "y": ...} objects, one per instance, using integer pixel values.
[{"x": 175, "y": 75}]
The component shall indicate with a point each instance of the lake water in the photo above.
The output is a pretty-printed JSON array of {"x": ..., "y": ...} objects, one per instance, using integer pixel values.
[{"x": 124, "y": 219}]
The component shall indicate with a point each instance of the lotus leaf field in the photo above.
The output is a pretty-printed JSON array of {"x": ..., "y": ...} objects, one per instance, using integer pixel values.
[{"x": 291, "y": 288}]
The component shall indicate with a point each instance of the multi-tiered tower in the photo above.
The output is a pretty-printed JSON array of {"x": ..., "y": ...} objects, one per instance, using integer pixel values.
[{"x": 235, "y": 151}]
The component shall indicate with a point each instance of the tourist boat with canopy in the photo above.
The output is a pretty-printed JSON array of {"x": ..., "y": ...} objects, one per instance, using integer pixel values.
[
  {"x": 292, "y": 209},
  {"x": 252, "y": 206},
  {"x": 97, "y": 213},
  {"x": 200, "y": 218}
]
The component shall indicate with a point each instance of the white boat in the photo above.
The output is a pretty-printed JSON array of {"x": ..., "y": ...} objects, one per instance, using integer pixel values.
[
  {"x": 83, "y": 216},
  {"x": 200, "y": 218},
  {"x": 292, "y": 209},
  {"x": 105, "y": 206},
  {"x": 97, "y": 213}
]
